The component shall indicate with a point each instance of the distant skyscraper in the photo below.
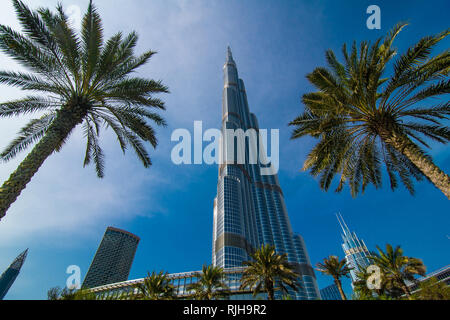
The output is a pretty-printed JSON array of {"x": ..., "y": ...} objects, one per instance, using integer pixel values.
[
  {"x": 9, "y": 276},
  {"x": 113, "y": 259},
  {"x": 249, "y": 209},
  {"x": 356, "y": 252},
  {"x": 330, "y": 293}
]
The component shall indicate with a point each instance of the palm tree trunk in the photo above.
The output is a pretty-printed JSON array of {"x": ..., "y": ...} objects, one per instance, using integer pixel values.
[
  {"x": 404, "y": 287},
  {"x": 66, "y": 120},
  {"x": 404, "y": 145},
  {"x": 339, "y": 285},
  {"x": 406, "y": 291},
  {"x": 270, "y": 291}
]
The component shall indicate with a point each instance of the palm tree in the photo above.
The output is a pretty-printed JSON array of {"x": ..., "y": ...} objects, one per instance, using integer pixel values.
[
  {"x": 336, "y": 268},
  {"x": 57, "y": 293},
  {"x": 210, "y": 284},
  {"x": 83, "y": 81},
  {"x": 156, "y": 286},
  {"x": 362, "y": 118},
  {"x": 360, "y": 289},
  {"x": 397, "y": 268},
  {"x": 386, "y": 291},
  {"x": 269, "y": 272},
  {"x": 432, "y": 289}
]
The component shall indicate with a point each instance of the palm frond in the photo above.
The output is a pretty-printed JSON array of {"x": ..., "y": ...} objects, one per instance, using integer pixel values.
[
  {"x": 26, "y": 81},
  {"x": 92, "y": 40},
  {"x": 34, "y": 27},
  {"x": 93, "y": 150},
  {"x": 28, "y": 135},
  {"x": 26, "y": 105}
]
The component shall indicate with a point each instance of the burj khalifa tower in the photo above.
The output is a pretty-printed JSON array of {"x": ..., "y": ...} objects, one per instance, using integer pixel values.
[{"x": 249, "y": 209}]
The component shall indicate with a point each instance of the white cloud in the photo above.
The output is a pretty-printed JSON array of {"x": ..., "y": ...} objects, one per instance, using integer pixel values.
[
  {"x": 74, "y": 14},
  {"x": 63, "y": 199}
]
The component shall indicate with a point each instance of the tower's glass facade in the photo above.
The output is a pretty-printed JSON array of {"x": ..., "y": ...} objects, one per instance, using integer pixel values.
[
  {"x": 113, "y": 259},
  {"x": 249, "y": 209},
  {"x": 9, "y": 276},
  {"x": 330, "y": 293},
  {"x": 355, "y": 250}
]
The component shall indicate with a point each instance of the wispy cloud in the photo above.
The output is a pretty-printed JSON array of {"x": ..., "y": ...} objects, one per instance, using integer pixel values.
[
  {"x": 75, "y": 18},
  {"x": 65, "y": 199}
]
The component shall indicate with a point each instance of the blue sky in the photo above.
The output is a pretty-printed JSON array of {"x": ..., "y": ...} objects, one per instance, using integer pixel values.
[{"x": 64, "y": 211}]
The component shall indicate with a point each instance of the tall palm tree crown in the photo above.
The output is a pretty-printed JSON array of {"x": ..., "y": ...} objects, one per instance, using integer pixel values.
[
  {"x": 336, "y": 268},
  {"x": 397, "y": 268},
  {"x": 210, "y": 284},
  {"x": 156, "y": 286},
  {"x": 269, "y": 272},
  {"x": 360, "y": 289},
  {"x": 83, "y": 81},
  {"x": 363, "y": 118}
]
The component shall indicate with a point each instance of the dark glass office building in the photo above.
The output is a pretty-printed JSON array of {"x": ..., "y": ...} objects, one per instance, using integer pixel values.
[
  {"x": 330, "y": 293},
  {"x": 249, "y": 209},
  {"x": 9, "y": 276},
  {"x": 113, "y": 259}
]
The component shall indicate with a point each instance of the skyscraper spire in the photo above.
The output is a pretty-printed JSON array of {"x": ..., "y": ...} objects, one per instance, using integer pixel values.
[
  {"x": 18, "y": 262},
  {"x": 342, "y": 223},
  {"x": 355, "y": 250},
  {"x": 229, "y": 54},
  {"x": 9, "y": 276}
]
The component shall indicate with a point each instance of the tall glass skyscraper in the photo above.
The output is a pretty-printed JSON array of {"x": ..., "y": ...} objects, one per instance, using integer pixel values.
[
  {"x": 249, "y": 209},
  {"x": 355, "y": 250},
  {"x": 113, "y": 259},
  {"x": 9, "y": 276}
]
